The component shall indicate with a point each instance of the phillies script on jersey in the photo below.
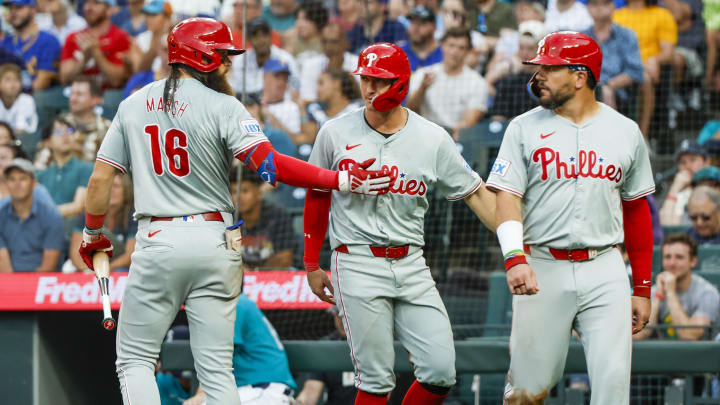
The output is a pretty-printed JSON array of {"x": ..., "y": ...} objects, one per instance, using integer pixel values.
[{"x": 587, "y": 164}]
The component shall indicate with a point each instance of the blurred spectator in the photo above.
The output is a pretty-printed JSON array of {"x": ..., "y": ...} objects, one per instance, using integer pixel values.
[
  {"x": 511, "y": 96},
  {"x": 680, "y": 298},
  {"x": 283, "y": 112},
  {"x": 268, "y": 237},
  {"x": 280, "y": 14},
  {"x": 454, "y": 14},
  {"x": 97, "y": 51},
  {"x": 347, "y": 14},
  {"x": 621, "y": 62},
  {"x": 569, "y": 15},
  {"x": 66, "y": 177},
  {"x": 399, "y": 10},
  {"x": 711, "y": 16},
  {"x": 120, "y": 227},
  {"x": 7, "y": 154},
  {"x": 377, "y": 28},
  {"x": 494, "y": 17},
  {"x": 260, "y": 364},
  {"x": 687, "y": 62},
  {"x": 690, "y": 158},
  {"x": 31, "y": 238},
  {"x": 17, "y": 109},
  {"x": 160, "y": 69},
  {"x": 59, "y": 18},
  {"x": 304, "y": 40},
  {"x": 259, "y": 36},
  {"x": 89, "y": 127},
  {"x": 449, "y": 93},
  {"x": 506, "y": 59},
  {"x": 7, "y": 136},
  {"x": 338, "y": 93},
  {"x": 280, "y": 140},
  {"x": 232, "y": 13},
  {"x": 130, "y": 18},
  {"x": 340, "y": 385},
  {"x": 421, "y": 48},
  {"x": 656, "y": 33},
  {"x": 143, "y": 53},
  {"x": 335, "y": 56},
  {"x": 39, "y": 49},
  {"x": 707, "y": 176},
  {"x": 195, "y": 8},
  {"x": 703, "y": 211},
  {"x": 174, "y": 386}
]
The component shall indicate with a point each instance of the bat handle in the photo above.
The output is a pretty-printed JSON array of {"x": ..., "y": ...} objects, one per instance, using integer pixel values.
[{"x": 108, "y": 321}]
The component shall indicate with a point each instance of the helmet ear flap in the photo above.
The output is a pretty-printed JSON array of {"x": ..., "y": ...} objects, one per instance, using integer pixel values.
[{"x": 532, "y": 87}]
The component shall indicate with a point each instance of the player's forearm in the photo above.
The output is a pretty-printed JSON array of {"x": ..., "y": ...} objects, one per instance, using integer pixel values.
[
  {"x": 482, "y": 203},
  {"x": 637, "y": 225},
  {"x": 315, "y": 224},
  {"x": 508, "y": 207},
  {"x": 98, "y": 190},
  {"x": 298, "y": 173}
]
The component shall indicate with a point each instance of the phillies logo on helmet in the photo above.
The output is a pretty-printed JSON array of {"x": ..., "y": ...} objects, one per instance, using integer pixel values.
[
  {"x": 371, "y": 58},
  {"x": 587, "y": 164}
]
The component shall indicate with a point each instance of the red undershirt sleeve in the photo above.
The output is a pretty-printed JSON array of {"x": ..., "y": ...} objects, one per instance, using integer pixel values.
[
  {"x": 315, "y": 224},
  {"x": 637, "y": 225}
]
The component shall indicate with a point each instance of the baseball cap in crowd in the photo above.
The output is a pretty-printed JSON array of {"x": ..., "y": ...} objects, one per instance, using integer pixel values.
[
  {"x": 533, "y": 28},
  {"x": 20, "y": 164},
  {"x": 275, "y": 66},
  {"x": 707, "y": 174},
  {"x": 30, "y": 3},
  {"x": 158, "y": 7},
  {"x": 422, "y": 13},
  {"x": 690, "y": 146},
  {"x": 252, "y": 98},
  {"x": 111, "y": 3},
  {"x": 257, "y": 24}
]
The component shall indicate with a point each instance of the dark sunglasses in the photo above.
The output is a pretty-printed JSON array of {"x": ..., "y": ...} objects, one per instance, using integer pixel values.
[{"x": 704, "y": 217}]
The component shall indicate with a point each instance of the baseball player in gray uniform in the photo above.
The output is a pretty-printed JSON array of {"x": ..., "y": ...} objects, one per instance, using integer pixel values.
[
  {"x": 379, "y": 276},
  {"x": 177, "y": 138},
  {"x": 571, "y": 176}
]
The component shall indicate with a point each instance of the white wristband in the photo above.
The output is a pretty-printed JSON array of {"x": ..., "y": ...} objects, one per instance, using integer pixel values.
[{"x": 510, "y": 236}]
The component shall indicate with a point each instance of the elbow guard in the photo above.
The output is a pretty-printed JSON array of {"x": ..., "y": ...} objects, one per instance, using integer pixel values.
[{"x": 261, "y": 159}]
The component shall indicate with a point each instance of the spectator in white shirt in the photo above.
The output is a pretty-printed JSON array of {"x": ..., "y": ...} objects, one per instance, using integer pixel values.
[
  {"x": 143, "y": 53},
  {"x": 567, "y": 15},
  {"x": 284, "y": 113},
  {"x": 58, "y": 18},
  {"x": 449, "y": 93},
  {"x": 18, "y": 109}
]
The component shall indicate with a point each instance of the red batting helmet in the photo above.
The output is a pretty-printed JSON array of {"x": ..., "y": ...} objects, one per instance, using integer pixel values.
[
  {"x": 386, "y": 61},
  {"x": 195, "y": 41},
  {"x": 568, "y": 48}
]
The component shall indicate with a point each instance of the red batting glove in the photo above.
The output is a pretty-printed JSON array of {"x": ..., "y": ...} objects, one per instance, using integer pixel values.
[{"x": 94, "y": 243}]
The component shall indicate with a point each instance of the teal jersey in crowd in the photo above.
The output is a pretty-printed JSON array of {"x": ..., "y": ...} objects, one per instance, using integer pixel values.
[{"x": 259, "y": 356}]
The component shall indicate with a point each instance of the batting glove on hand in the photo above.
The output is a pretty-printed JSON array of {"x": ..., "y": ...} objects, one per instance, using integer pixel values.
[
  {"x": 361, "y": 181},
  {"x": 94, "y": 242}
]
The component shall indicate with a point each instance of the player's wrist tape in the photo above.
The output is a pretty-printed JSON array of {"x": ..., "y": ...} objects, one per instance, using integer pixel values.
[
  {"x": 641, "y": 291},
  {"x": 343, "y": 181},
  {"x": 510, "y": 236},
  {"x": 94, "y": 222}
]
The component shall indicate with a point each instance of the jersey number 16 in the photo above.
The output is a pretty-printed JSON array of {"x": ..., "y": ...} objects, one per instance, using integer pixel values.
[{"x": 175, "y": 145}]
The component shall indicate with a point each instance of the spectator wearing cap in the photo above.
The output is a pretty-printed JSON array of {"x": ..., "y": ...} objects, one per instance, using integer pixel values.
[
  {"x": 66, "y": 177},
  {"x": 690, "y": 158},
  {"x": 283, "y": 112},
  {"x": 174, "y": 386},
  {"x": 449, "y": 93},
  {"x": 17, "y": 108},
  {"x": 99, "y": 50},
  {"x": 39, "y": 50},
  {"x": 621, "y": 62},
  {"x": 703, "y": 209},
  {"x": 59, "y": 18},
  {"x": 379, "y": 29},
  {"x": 143, "y": 54},
  {"x": 335, "y": 56},
  {"x": 260, "y": 37},
  {"x": 507, "y": 59},
  {"x": 130, "y": 18},
  {"x": 707, "y": 176},
  {"x": 569, "y": 15},
  {"x": 494, "y": 18},
  {"x": 9, "y": 152},
  {"x": 260, "y": 364},
  {"x": 421, "y": 48},
  {"x": 32, "y": 234},
  {"x": 508, "y": 80},
  {"x": 280, "y": 14},
  {"x": 305, "y": 39},
  {"x": 232, "y": 14}
]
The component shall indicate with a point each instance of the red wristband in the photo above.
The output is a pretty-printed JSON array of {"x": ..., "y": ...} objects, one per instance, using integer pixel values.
[
  {"x": 641, "y": 291},
  {"x": 514, "y": 261},
  {"x": 311, "y": 266},
  {"x": 94, "y": 221}
]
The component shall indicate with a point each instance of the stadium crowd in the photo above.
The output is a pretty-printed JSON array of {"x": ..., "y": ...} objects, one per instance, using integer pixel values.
[{"x": 66, "y": 65}]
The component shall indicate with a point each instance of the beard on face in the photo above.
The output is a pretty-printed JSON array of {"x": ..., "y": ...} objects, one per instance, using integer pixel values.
[
  {"x": 22, "y": 24},
  {"x": 555, "y": 99}
]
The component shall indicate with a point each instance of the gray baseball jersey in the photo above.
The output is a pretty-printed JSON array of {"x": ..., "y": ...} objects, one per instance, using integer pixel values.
[
  {"x": 422, "y": 155},
  {"x": 186, "y": 153},
  {"x": 572, "y": 177}
]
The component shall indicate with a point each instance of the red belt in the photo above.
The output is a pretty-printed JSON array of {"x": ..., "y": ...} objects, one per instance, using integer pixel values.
[
  {"x": 208, "y": 216},
  {"x": 394, "y": 252},
  {"x": 574, "y": 255}
]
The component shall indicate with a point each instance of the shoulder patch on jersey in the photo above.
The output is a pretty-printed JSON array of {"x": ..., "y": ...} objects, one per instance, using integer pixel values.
[
  {"x": 251, "y": 126},
  {"x": 500, "y": 167}
]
